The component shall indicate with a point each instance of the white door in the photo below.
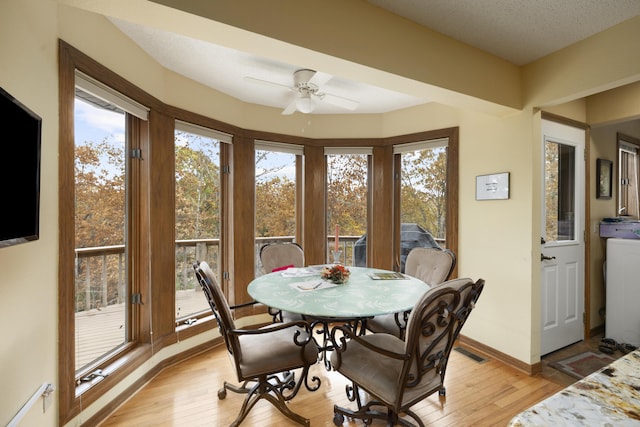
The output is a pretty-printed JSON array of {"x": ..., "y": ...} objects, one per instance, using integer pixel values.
[{"x": 562, "y": 236}]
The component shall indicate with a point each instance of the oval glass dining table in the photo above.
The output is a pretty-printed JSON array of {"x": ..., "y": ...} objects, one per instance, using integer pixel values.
[
  {"x": 302, "y": 291},
  {"x": 360, "y": 297}
]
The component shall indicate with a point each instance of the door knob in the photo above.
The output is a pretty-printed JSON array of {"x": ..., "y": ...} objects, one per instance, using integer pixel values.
[{"x": 543, "y": 257}]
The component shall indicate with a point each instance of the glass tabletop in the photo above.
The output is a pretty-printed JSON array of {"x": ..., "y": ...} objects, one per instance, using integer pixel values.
[{"x": 303, "y": 291}]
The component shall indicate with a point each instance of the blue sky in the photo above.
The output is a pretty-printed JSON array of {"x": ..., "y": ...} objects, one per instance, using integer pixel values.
[
  {"x": 284, "y": 163},
  {"x": 93, "y": 124}
]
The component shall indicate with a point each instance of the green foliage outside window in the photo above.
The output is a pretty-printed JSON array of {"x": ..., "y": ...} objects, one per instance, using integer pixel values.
[{"x": 424, "y": 190}]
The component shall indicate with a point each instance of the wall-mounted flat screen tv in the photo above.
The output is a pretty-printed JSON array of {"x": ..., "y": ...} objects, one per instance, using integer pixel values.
[{"x": 20, "y": 172}]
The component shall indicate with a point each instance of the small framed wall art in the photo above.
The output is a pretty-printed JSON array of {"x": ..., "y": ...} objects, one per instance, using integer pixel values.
[
  {"x": 604, "y": 171},
  {"x": 492, "y": 187}
]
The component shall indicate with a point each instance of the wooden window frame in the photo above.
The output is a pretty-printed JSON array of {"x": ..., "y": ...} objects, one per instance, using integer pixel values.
[
  {"x": 121, "y": 362},
  {"x": 182, "y": 328},
  {"x": 155, "y": 215},
  {"x": 272, "y": 146},
  {"x": 622, "y": 196},
  {"x": 451, "y": 134}
]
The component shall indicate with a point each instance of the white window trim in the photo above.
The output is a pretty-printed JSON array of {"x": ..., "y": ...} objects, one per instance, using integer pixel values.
[
  {"x": 279, "y": 147},
  {"x": 203, "y": 131},
  {"x": 328, "y": 151},
  {"x": 420, "y": 145},
  {"x": 107, "y": 94},
  {"x": 629, "y": 148}
]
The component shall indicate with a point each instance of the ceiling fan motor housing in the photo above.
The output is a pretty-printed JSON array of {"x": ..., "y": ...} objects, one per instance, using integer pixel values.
[{"x": 301, "y": 81}]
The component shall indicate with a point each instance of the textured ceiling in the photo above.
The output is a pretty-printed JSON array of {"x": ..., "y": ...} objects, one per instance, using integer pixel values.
[{"x": 519, "y": 31}]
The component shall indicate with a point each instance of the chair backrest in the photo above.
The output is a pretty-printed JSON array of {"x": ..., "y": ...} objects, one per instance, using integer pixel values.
[
  {"x": 276, "y": 255},
  {"x": 219, "y": 305},
  {"x": 434, "y": 325},
  {"x": 431, "y": 265}
]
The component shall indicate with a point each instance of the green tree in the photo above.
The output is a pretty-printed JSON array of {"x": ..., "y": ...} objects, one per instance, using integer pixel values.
[
  {"x": 99, "y": 217},
  {"x": 424, "y": 189},
  {"x": 347, "y": 193},
  {"x": 197, "y": 187},
  {"x": 99, "y": 193},
  {"x": 551, "y": 201},
  {"x": 275, "y": 195},
  {"x": 275, "y": 207}
]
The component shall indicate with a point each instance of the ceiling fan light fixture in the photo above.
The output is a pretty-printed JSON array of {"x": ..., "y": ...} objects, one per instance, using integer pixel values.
[{"x": 305, "y": 104}]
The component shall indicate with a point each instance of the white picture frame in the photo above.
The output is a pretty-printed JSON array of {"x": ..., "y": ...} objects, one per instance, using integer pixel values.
[{"x": 493, "y": 186}]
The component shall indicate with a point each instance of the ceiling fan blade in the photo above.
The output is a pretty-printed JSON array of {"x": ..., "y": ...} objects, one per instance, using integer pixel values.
[
  {"x": 319, "y": 79},
  {"x": 291, "y": 108},
  {"x": 267, "y": 83},
  {"x": 339, "y": 101}
]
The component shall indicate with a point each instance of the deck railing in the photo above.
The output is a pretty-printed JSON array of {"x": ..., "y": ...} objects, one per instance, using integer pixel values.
[
  {"x": 100, "y": 271},
  {"x": 101, "y": 288}
]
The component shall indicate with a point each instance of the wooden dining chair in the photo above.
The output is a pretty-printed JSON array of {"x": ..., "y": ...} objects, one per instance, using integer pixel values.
[
  {"x": 266, "y": 360},
  {"x": 397, "y": 374},
  {"x": 431, "y": 265}
]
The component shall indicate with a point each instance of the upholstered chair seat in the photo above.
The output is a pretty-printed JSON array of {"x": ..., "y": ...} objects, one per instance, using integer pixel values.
[{"x": 274, "y": 351}]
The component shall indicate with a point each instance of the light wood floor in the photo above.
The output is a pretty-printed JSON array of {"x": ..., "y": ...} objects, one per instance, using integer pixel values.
[{"x": 489, "y": 393}]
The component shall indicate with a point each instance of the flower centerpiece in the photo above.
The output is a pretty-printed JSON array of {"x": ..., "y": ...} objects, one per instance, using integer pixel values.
[{"x": 336, "y": 273}]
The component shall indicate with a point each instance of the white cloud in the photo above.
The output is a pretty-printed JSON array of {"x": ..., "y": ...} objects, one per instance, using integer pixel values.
[{"x": 94, "y": 124}]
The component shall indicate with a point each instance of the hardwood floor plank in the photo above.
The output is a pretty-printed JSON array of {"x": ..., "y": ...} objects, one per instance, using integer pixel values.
[{"x": 479, "y": 394}]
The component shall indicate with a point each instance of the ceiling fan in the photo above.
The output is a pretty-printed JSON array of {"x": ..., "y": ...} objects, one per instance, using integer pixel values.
[{"x": 307, "y": 92}]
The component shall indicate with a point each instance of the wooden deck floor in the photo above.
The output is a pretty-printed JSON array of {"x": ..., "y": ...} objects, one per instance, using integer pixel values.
[{"x": 100, "y": 330}]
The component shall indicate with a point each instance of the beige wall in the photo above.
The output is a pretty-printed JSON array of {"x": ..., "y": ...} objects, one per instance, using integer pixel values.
[
  {"x": 28, "y": 272},
  {"x": 497, "y": 238},
  {"x": 615, "y": 105},
  {"x": 593, "y": 65}
]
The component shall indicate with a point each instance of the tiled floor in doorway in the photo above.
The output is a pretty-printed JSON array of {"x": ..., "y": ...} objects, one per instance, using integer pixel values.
[{"x": 560, "y": 378}]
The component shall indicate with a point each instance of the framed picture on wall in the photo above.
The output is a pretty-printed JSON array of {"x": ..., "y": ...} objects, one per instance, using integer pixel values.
[
  {"x": 604, "y": 171},
  {"x": 492, "y": 187}
]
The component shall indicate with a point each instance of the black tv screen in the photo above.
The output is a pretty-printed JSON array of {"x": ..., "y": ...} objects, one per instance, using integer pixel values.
[{"x": 20, "y": 172}]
